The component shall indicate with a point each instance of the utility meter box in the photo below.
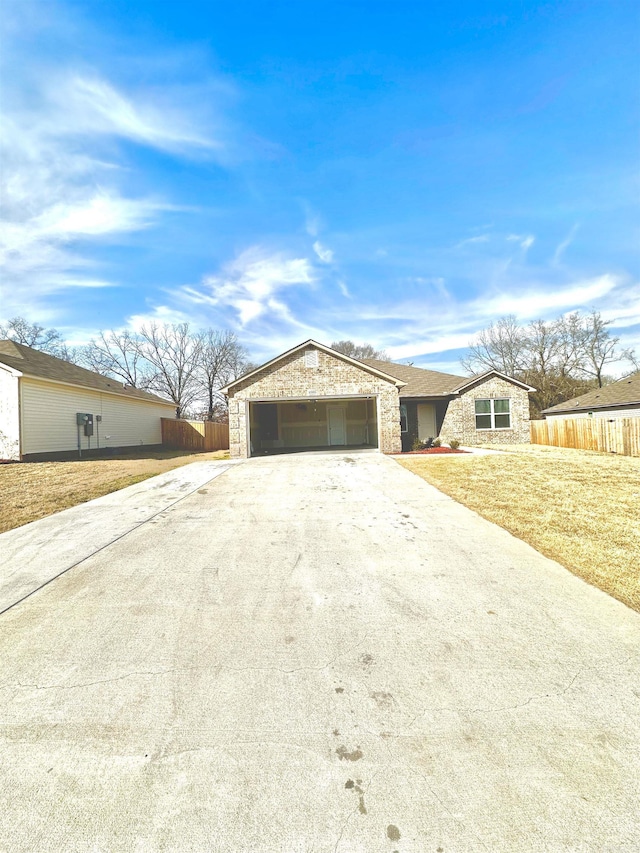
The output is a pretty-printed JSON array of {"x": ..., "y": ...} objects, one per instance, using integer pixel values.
[{"x": 85, "y": 420}]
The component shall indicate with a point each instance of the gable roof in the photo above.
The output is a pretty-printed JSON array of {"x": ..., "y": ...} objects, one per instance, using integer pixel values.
[
  {"x": 30, "y": 362},
  {"x": 421, "y": 382},
  {"x": 480, "y": 377},
  {"x": 363, "y": 365},
  {"x": 624, "y": 392}
]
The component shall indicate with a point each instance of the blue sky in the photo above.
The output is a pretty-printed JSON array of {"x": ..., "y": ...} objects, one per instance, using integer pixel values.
[{"x": 401, "y": 173}]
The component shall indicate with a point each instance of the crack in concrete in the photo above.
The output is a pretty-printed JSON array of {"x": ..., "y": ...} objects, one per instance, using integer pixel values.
[
  {"x": 351, "y": 814},
  {"x": 491, "y": 709},
  {"x": 533, "y": 697},
  {"x": 444, "y": 806},
  {"x": 398, "y": 762},
  {"x": 161, "y": 672}
]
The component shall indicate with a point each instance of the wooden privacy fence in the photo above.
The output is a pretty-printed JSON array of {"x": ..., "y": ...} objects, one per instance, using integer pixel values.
[
  {"x": 618, "y": 435},
  {"x": 194, "y": 435}
]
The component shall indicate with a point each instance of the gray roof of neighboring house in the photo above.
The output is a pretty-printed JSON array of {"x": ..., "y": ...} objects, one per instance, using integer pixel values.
[
  {"x": 40, "y": 365},
  {"x": 624, "y": 392}
]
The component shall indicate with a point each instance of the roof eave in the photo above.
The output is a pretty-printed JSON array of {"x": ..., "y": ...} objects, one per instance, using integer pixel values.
[
  {"x": 425, "y": 395},
  {"x": 483, "y": 376},
  {"x": 115, "y": 392},
  {"x": 554, "y": 411},
  {"x": 12, "y": 370}
]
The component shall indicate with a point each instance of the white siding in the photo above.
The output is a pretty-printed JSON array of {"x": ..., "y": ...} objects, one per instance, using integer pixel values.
[
  {"x": 9, "y": 416},
  {"x": 49, "y": 418},
  {"x": 629, "y": 412},
  {"x": 129, "y": 422}
]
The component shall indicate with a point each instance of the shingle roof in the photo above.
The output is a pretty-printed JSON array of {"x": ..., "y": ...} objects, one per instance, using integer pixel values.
[
  {"x": 420, "y": 382},
  {"x": 624, "y": 392},
  {"x": 41, "y": 365}
]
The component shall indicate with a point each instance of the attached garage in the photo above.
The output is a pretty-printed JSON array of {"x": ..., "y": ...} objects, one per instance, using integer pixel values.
[
  {"x": 311, "y": 398},
  {"x": 304, "y": 424}
]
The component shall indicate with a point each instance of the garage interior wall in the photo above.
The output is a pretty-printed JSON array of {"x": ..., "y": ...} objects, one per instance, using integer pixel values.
[{"x": 305, "y": 423}]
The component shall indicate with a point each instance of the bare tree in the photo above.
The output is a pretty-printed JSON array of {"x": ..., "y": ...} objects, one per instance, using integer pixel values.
[
  {"x": 359, "y": 351},
  {"x": 633, "y": 358},
  {"x": 174, "y": 353},
  {"x": 118, "y": 354},
  {"x": 502, "y": 346},
  {"x": 222, "y": 359},
  {"x": 21, "y": 331},
  {"x": 570, "y": 343},
  {"x": 598, "y": 347},
  {"x": 560, "y": 358}
]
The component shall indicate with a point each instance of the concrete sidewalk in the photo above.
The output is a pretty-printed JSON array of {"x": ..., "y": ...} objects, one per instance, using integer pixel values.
[
  {"x": 316, "y": 653},
  {"x": 34, "y": 554}
]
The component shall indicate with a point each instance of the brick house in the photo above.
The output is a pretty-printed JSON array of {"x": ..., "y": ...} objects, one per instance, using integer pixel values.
[{"x": 314, "y": 397}]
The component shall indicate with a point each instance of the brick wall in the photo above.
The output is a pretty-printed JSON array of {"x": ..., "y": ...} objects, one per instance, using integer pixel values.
[
  {"x": 460, "y": 419},
  {"x": 291, "y": 378}
]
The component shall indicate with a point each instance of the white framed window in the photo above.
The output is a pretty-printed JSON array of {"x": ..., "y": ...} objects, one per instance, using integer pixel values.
[
  {"x": 493, "y": 414},
  {"x": 311, "y": 358},
  {"x": 403, "y": 418}
]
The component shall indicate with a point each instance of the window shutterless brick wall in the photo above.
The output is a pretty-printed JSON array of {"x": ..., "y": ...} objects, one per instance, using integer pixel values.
[
  {"x": 460, "y": 418},
  {"x": 291, "y": 378}
]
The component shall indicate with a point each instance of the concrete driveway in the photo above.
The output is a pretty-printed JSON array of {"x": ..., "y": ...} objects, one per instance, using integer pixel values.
[{"x": 312, "y": 653}]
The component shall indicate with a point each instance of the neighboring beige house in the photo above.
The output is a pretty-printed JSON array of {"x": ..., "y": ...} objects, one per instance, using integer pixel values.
[
  {"x": 314, "y": 397},
  {"x": 52, "y": 408},
  {"x": 621, "y": 399}
]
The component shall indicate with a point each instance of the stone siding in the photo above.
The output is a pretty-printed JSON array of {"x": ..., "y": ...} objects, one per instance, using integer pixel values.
[
  {"x": 460, "y": 418},
  {"x": 291, "y": 378}
]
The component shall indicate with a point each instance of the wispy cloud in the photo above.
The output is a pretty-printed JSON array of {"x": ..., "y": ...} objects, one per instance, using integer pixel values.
[
  {"x": 525, "y": 241},
  {"x": 249, "y": 285},
  {"x": 536, "y": 301},
  {"x": 325, "y": 255},
  {"x": 471, "y": 241},
  {"x": 159, "y": 314},
  {"x": 64, "y": 168},
  {"x": 90, "y": 105},
  {"x": 563, "y": 245}
]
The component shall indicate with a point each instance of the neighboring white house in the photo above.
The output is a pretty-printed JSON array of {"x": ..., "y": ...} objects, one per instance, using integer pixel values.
[
  {"x": 52, "y": 407},
  {"x": 621, "y": 399}
]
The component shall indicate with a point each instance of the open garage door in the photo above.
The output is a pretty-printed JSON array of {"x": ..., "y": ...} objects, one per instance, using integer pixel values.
[{"x": 287, "y": 426}]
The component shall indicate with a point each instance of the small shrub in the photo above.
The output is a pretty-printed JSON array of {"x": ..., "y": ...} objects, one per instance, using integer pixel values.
[
  {"x": 454, "y": 444},
  {"x": 422, "y": 445},
  {"x": 436, "y": 442}
]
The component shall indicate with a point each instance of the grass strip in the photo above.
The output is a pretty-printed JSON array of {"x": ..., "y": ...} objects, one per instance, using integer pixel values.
[
  {"x": 582, "y": 509},
  {"x": 33, "y": 490}
]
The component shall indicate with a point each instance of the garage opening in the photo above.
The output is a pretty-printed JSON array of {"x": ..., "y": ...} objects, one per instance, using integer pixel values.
[{"x": 290, "y": 426}]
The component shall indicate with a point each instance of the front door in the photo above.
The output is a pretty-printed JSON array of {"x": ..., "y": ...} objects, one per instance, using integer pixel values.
[
  {"x": 337, "y": 425},
  {"x": 426, "y": 421}
]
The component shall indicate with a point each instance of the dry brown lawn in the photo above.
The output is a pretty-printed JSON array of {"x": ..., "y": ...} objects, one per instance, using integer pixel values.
[
  {"x": 577, "y": 507},
  {"x": 31, "y": 490}
]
